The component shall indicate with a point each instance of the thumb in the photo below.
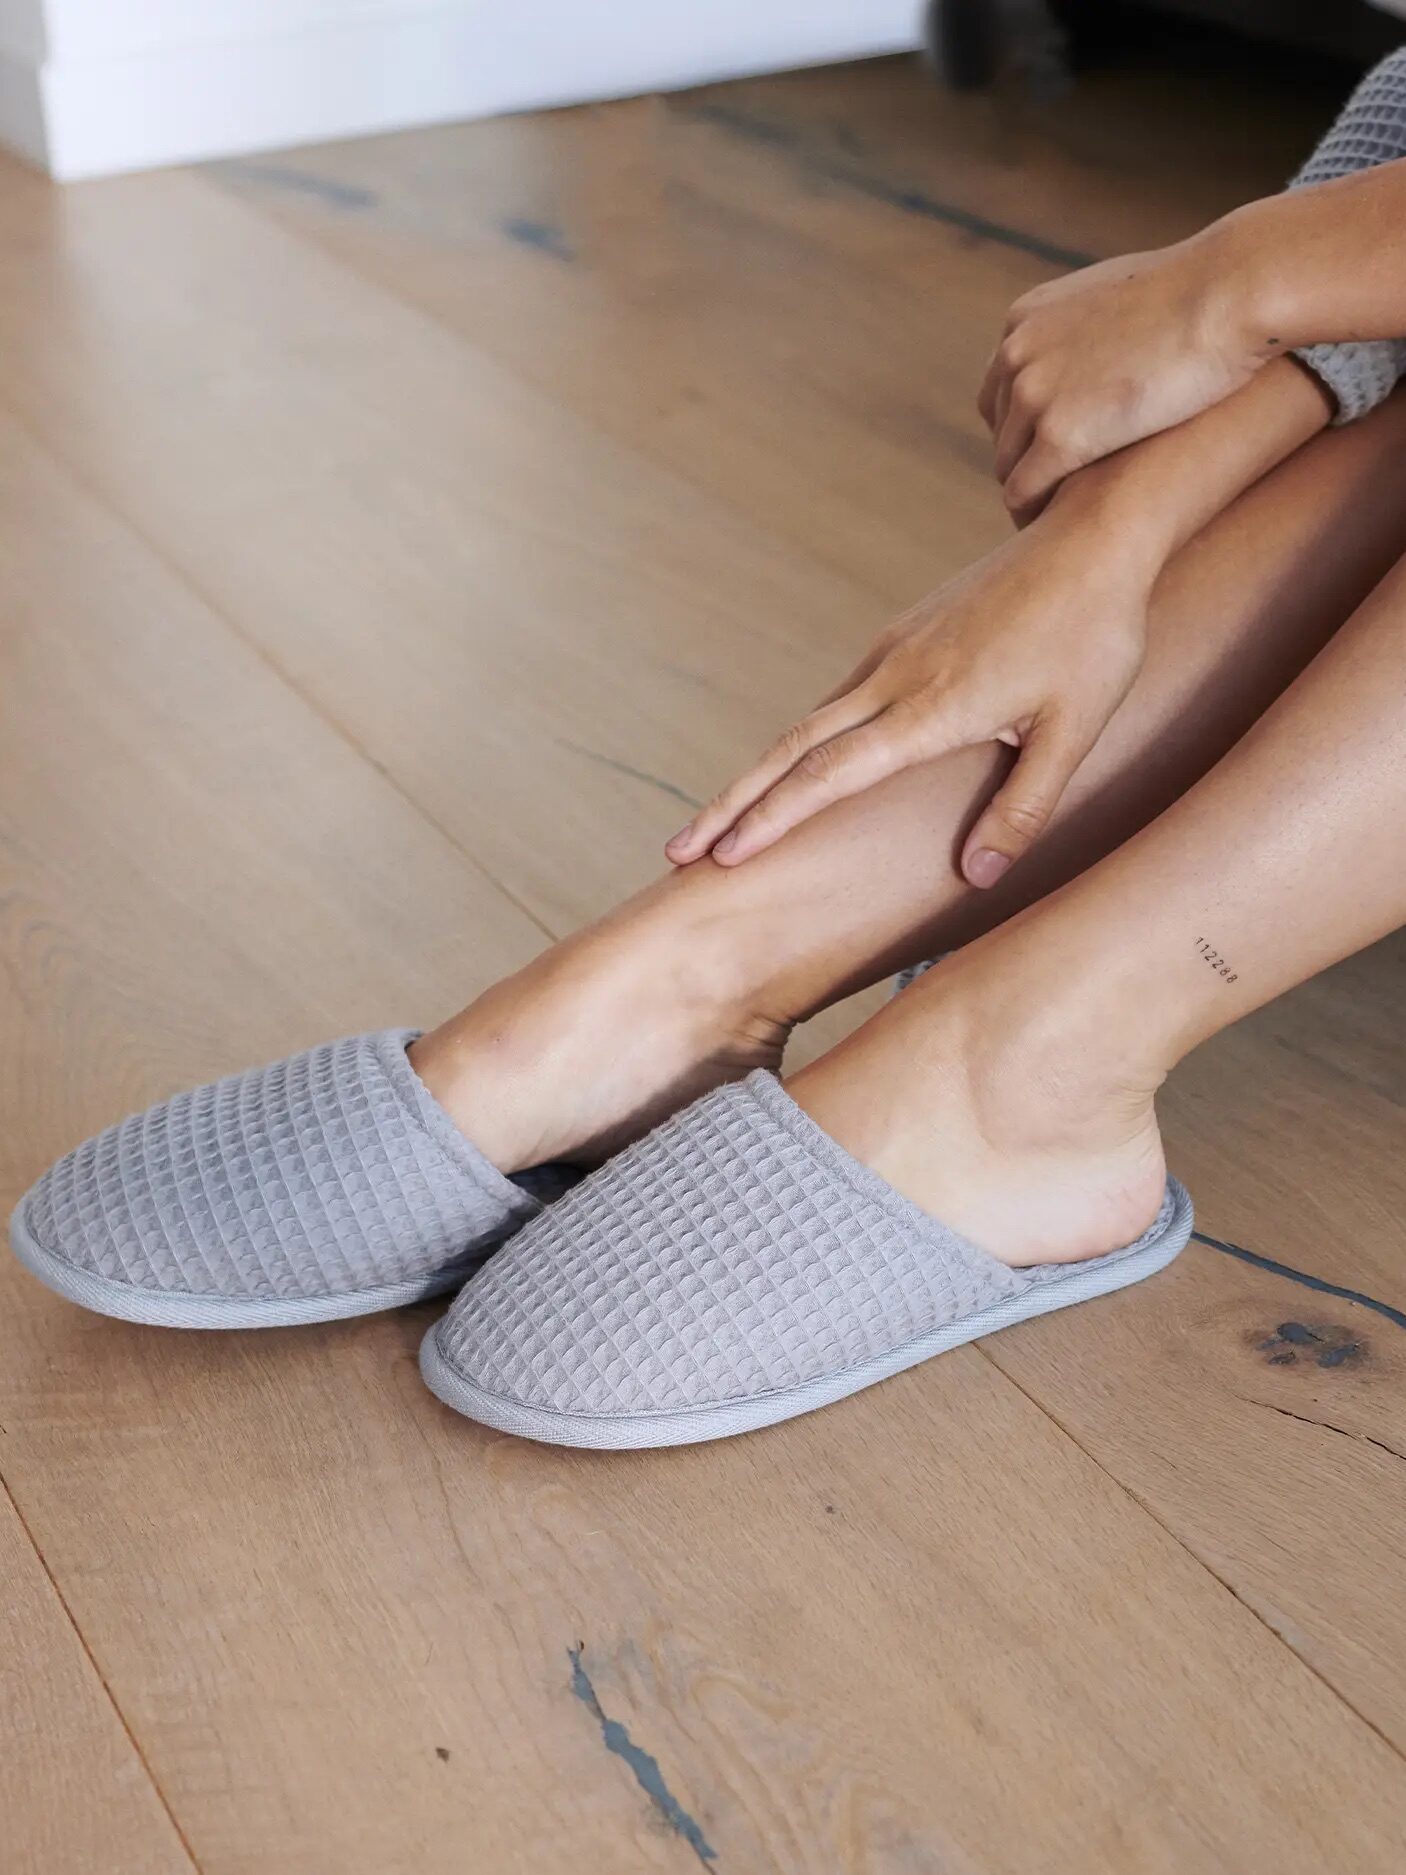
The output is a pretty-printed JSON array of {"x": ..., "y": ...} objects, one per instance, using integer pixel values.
[{"x": 1023, "y": 807}]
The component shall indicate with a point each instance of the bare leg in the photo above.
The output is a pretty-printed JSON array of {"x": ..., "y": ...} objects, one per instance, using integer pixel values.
[
  {"x": 1011, "y": 1092},
  {"x": 700, "y": 976}
]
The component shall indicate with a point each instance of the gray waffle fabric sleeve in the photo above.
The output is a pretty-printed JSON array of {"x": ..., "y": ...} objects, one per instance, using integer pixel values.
[{"x": 1370, "y": 129}]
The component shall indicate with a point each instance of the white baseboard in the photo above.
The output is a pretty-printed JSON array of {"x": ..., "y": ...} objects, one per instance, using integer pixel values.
[{"x": 349, "y": 67}]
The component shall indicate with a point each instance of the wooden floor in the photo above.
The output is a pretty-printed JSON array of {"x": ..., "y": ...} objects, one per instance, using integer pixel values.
[{"x": 391, "y": 537}]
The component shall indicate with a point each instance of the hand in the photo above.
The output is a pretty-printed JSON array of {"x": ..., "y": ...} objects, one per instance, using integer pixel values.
[
  {"x": 1035, "y": 646},
  {"x": 1115, "y": 352}
]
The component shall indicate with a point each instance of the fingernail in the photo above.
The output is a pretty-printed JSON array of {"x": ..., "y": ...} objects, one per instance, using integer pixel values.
[
  {"x": 677, "y": 839},
  {"x": 985, "y": 866},
  {"x": 726, "y": 844}
]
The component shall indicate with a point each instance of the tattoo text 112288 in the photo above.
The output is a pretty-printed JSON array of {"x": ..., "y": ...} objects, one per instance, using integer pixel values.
[{"x": 1216, "y": 961}]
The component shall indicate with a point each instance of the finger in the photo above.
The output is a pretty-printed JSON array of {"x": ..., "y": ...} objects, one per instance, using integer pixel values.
[
  {"x": 1027, "y": 512},
  {"x": 1001, "y": 370},
  {"x": 1036, "y": 476},
  {"x": 725, "y": 809},
  {"x": 1023, "y": 807},
  {"x": 830, "y": 772},
  {"x": 1017, "y": 430},
  {"x": 991, "y": 382},
  {"x": 1005, "y": 383}
]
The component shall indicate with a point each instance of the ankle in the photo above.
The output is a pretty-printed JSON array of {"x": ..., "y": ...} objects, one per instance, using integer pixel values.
[
  {"x": 1042, "y": 1059},
  {"x": 997, "y": 1102},
  {"x": 596, "y": 1039}
]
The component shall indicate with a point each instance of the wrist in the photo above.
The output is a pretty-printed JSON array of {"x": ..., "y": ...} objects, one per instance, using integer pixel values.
[
  {"x": 1251, "y": 285},
  {"x": 1135, "y": 530}
]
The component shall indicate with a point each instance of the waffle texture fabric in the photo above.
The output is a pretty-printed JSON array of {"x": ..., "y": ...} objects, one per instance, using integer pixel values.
[
  {"x": 330, "y": 1184},
  {"x": 1370, "y": 129},
  {"x": 735, "y": 1268},
  {"x": 913, "y": 972}
]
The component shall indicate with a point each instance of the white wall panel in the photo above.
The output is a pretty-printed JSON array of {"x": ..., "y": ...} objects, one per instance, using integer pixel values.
[{"x": 103, "y": 85}]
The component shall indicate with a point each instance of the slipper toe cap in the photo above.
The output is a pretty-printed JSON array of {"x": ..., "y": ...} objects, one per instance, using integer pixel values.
[{"x": 311, "y": 1187}]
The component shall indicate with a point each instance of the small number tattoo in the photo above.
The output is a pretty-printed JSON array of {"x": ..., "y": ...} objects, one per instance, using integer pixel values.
[{"x": 1217, "y": 962}]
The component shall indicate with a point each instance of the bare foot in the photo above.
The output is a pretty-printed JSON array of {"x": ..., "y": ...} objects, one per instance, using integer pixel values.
[
  {"x": 599, "y": 1039},
  {"x": 994, "y": 1094}
]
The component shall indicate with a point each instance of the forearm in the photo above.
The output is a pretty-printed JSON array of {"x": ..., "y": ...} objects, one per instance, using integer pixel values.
[{"x": 1150, "y": 498}]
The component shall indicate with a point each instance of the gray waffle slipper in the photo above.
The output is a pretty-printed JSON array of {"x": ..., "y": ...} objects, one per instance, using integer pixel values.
[
  {"x": 735, "y": 1268},
  {"x": 328, "y": 1185}
]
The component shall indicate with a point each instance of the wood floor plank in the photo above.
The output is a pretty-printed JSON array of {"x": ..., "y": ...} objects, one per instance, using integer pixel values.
[
  {"x": 555, "y": 643},
  {"x": 756, "y": 284},
  {"x": 74, "y": 1794},
  {"x": 677, "y": 309}
]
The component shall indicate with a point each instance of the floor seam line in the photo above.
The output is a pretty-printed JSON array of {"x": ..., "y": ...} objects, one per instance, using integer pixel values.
[
  {"x": 100, "y": 1676},
  {"x": 1257, "y": 1260},
  {"x": 782, "y": 135}
]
